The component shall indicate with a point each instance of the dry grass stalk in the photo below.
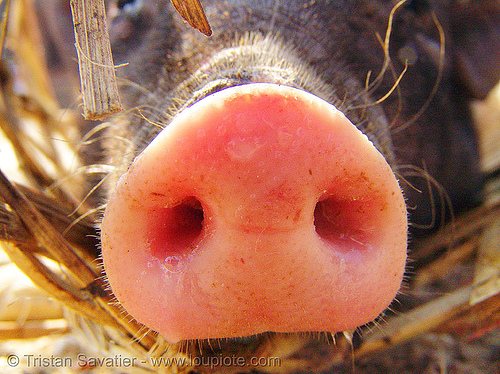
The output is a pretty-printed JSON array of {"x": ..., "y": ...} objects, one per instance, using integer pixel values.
[
  {"x": 192, "y": 11},
  {"x": 97, "y": 72},
  {"x": 4, "y": 11},
  {"x": 32, "y": 329}
]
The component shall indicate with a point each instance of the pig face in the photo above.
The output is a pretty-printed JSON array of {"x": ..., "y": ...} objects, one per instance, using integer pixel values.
[{"x": 260, "y": 175}]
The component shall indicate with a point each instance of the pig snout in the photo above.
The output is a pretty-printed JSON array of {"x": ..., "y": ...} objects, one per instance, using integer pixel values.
[{"x": 259, "y": 208}]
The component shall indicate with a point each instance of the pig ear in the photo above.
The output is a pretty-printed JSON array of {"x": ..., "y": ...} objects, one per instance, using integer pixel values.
[{"x": 476, "y": 43}]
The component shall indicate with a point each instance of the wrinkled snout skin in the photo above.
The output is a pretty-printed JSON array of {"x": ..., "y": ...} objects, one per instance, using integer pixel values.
[{"x": 256, "y": 185}]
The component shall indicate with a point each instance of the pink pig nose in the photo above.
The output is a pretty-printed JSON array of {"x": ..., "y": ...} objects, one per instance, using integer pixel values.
[{"x": 259, "y": 208}]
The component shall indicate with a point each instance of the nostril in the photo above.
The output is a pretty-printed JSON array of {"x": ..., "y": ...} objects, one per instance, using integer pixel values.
[
  {"x": 176, "y": 230},
  {"x": 343, "y": 220}
]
